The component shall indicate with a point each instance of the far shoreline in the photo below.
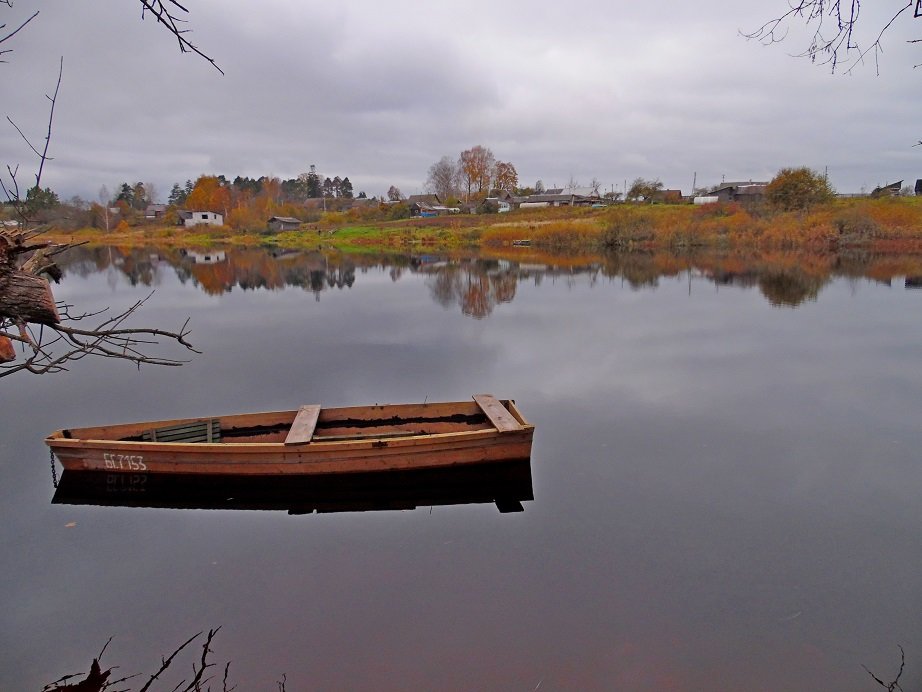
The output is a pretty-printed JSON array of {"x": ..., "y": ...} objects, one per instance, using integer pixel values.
[{"x": 887, "y": 225}]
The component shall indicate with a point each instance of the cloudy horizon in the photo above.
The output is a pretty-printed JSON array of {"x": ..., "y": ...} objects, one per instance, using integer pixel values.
[{"x": 378, "y": 93}]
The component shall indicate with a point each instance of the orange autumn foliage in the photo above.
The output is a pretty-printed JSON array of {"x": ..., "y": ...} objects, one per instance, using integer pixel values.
[{"x": 209, "y": 194}]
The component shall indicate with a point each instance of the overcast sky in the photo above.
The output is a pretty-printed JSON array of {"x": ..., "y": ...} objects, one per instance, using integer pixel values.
[{"x": 378, "y": 91}]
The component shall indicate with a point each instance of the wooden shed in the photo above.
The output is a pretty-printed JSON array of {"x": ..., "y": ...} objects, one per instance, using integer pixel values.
[{"x": 283, "y": 223}]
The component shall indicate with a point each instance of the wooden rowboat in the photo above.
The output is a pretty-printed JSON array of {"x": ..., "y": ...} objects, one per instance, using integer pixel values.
[{"x": 311, "y": 440}]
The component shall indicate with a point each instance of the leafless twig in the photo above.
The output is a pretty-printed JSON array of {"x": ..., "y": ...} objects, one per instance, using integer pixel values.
[
  {"x": 50, "y": 344},
  {"x": 15, "y": 31},
  {"x": 97, "y": 679},
  {"x": 197, "y": 681},
  {"x": 165, "y": 662},
  {"x": 165, "y": 14},
  {"x": 834, "y": 23},
  {"x": 895, "y": 683}
]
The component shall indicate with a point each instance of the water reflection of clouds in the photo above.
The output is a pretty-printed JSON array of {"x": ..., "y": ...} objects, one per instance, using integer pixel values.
[{"x": 705, "y": 466}]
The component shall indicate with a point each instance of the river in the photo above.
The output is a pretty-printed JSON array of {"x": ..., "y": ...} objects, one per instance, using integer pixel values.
[{"x": 726, "y": 474}]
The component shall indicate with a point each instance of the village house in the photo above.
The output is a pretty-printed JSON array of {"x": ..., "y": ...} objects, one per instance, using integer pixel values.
[
  {"x": 668, "y": 196},
  {"x": 559, "y": 199},
  {"x": 277, "y": 224},
  {"x": 194, "y": 218},
  {"x": 891, "y": 190},
  {"x": 744, "y": 192},
  {"x": 502, "y": 205},
  {"x": 155, "y": 211},
  {"x": 423, "y": 205}
]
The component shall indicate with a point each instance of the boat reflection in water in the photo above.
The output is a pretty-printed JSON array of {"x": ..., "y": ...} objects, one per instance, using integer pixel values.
[{"x": 507, "y": 484}]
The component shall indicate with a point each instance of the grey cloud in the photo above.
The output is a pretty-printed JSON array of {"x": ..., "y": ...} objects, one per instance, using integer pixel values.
[{"x": 378, "y": 93}]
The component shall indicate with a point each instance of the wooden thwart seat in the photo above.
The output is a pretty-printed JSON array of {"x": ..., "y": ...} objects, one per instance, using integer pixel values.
[
  {"x": 195, "y": 431},
  {"x": 302, "y": 428},
  {"x": 497, "y": 413}
]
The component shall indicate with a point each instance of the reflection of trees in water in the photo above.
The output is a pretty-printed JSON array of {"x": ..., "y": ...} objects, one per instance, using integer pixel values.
[
  {"x": 789, "y": 288},
  {"x": 639, "y": 269},
  {"x": 220, "y": 271},
  {"x": 477, "y": 286}
]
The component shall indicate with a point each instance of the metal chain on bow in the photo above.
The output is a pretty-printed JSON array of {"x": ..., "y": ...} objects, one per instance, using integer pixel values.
[{"x": 54, "y": 471}]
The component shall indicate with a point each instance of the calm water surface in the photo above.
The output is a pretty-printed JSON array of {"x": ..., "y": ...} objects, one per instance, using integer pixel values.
[{"x": 727, "y": 492}]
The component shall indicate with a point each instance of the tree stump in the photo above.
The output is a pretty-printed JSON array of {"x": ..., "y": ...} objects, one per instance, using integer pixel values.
[{"x": 26, "y": 298}]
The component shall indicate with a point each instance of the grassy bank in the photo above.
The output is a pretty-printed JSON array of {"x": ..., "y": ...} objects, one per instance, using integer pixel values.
[{"x": 881, "y": 225}]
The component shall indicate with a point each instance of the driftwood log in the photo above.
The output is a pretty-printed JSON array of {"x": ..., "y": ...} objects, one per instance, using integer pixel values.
[{"x": 24, "y": 295}]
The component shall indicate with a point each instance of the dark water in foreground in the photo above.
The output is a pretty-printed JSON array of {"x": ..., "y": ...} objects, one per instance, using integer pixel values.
[{"x": 727, "y": 492}]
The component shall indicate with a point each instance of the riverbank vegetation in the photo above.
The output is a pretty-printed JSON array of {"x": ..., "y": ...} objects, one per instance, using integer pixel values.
[
  {"x": 892, "y": 224},
  {"x": 797, "y": 209}
]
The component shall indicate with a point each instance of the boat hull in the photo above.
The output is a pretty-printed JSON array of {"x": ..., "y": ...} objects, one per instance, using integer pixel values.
[{"x": 388, "y": 447}]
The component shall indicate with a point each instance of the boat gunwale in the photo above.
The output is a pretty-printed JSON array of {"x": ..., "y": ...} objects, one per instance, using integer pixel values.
[
  {"x": 318, "y": 444},
  {"x": 65, "y": 437}
]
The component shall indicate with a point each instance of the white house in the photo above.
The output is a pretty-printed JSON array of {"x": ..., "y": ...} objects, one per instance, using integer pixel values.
[{"x": 194, "y": 218}]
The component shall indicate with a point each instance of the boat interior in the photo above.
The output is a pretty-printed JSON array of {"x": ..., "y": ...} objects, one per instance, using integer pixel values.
[{"x": 315, "y": 424}]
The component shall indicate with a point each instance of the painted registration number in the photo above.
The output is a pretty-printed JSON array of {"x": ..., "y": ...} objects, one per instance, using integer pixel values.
[{"x": 128, "y": 462}]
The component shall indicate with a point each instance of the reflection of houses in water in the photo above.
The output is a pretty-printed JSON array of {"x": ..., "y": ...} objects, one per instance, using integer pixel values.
[
  {"x": 428, "y": 262},
  {"x": 743, "y": 279},
  {"x": 528, "y": 268},
  {"x": 908, "y": 282},
  {"x": 212, "y": 257}
]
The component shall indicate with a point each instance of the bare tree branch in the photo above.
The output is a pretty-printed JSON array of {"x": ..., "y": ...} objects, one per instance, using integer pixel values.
[
  {"x": 15, "y": 31},
  {"x": 165, "y": 15},
  {"x": 97, "y": 679},
  {"x": 165, "y": 662},
  {"x": 224, "y": 686},
  {"x": 895, "y": 683},
  {"x": 29, "y": 314},
  {"x": 197, "y": 681},
  {"x": 834, "y": 22},
  {"x": 54, "y": 99},
  {"x": 12, "y": 190}
]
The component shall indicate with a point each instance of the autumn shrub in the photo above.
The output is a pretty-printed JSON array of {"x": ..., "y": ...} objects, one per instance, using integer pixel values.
[
  {"x": 398, "y": 211},
  {"x": 628, "y": 226},
  {"x": 245, "y": 218},
  {"x": 797, "y": 189},
  {"x": 561, "y": 235},
  {"x": 854, "y": 225},
  {"x": 333, "y": 218}
]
